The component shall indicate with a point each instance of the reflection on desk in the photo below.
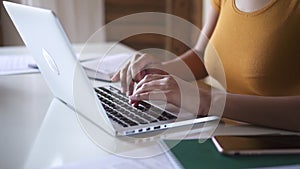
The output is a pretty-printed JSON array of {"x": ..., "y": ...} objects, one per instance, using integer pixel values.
[
  {"x": 119, "y": 162},
  {"x": 61, "y": 140}
]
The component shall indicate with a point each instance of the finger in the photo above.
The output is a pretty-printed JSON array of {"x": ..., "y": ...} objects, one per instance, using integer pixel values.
[
  {"x": 156, "y": 85},
  {"x": 134, "y": 103},
  {"x": 123, "y": 79},
  {"x": 116, "y": 77},
  {"x": 130, "y": 88},
  {"x": 151, "y": 95},
  {"x": 138, "y": 75},
  {"x": 130, "y": 82},
  {"x": 149, "y": 78},
  {"x": 139, "y": 64},
  {"x": 155, "y": 70}
]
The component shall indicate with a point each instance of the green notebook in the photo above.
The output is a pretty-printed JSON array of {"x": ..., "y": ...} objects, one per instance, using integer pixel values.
[{"x": 191, "y": 154}]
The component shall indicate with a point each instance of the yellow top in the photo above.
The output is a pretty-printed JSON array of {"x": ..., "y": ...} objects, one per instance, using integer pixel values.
[{"x": 260, "y": 51}]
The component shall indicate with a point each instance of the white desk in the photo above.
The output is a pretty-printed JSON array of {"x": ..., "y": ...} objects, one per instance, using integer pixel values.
[{"x": 39, "y": 132}]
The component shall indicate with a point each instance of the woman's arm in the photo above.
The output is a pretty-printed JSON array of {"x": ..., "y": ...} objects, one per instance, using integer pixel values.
[
  {"x": 277, "y": 112},
  {"x": 191, "y": 58},
  {"x": 140, "y": 65}
]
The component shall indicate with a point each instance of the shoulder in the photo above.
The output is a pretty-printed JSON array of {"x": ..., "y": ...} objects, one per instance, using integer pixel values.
[{"x": 217, "y": 4}]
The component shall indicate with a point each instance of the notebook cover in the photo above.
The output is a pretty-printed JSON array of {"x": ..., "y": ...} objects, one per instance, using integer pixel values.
[{"x": 192, "y": 154}]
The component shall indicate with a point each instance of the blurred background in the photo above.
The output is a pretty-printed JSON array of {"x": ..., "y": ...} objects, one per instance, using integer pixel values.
[{"x": 82, "y": 18}]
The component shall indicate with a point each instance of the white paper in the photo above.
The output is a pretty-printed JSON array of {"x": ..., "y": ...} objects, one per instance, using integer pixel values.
[
  {"x": 107, "y": 65},
  {"x": 101, "y": 69},
  {"x": 16, "y": 64},
  {"x": 115, "y": 162}
]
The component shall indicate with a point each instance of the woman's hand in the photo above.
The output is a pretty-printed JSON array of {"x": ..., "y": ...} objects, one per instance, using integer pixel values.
[
  {"x": 136, "y": 69},
  {"x": 173, "y": 90}
]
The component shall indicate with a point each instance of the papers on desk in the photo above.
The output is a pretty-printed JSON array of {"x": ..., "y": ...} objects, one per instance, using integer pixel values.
[
  {"x": 100, "y": 69},
  {"x": 115, "y": 162},
  {"x": 104, "y": 68},
  {"x": 16, "y": 64}
]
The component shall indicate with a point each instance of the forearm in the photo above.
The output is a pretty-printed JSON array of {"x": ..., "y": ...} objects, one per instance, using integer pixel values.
[
  {"x": 277, "y": 112},
  {"x": 188, "y": 66}
]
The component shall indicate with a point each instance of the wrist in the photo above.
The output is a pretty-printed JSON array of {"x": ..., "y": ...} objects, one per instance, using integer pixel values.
[
  {"x": 217, "y": 102},
  {"x": 167, "y": 67},
  {"x": 205, "y": 102}
]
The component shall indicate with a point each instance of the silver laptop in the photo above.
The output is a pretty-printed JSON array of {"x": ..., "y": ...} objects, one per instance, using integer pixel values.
[{"x": 105, "y": 107}]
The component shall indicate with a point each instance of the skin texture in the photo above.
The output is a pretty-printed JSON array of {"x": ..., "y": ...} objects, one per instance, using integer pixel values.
[
  {"x": 251, "y": 6},
  {"x": 152, "y": 80}
]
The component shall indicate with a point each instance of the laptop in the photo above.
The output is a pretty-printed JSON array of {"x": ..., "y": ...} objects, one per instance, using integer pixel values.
[{"x": 106, "y": 106}]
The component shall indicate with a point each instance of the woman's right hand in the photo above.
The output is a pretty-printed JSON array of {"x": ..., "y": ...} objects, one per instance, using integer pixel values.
[{"x": 136, "y": 69}]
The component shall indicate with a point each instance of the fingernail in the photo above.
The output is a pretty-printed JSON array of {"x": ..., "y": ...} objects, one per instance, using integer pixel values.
[
  {"x": 133, "y": 102},
  {"x": 131, "y": 97},
  {"x": 130, "y": 101}
]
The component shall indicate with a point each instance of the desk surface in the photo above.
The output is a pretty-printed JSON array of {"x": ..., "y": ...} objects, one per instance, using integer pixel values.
[{"x": 37, "y": 131}]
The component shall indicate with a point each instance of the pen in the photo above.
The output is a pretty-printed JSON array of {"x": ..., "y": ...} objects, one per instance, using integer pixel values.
[{"x": 33, "y": 66}]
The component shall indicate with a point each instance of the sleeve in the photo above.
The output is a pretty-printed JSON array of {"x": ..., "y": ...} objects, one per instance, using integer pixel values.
[{"x": 216, "y": 4}]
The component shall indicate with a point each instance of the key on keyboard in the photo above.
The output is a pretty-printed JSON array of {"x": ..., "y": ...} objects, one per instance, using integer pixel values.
[{"x": 119, "y": 110}]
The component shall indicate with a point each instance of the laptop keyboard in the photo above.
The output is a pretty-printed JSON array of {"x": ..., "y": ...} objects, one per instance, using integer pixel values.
[{"x": 119, "y": 110}]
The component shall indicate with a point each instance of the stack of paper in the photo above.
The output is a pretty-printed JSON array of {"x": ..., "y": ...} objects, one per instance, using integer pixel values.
[
  {"x": 101, "y": 69},
  {"x": 105, "y": 67},
  {"x": 16, "y": 64}
]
